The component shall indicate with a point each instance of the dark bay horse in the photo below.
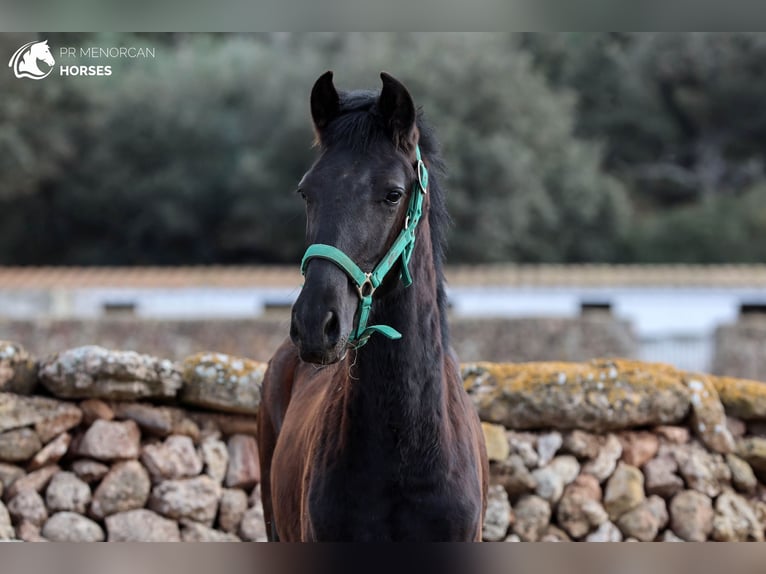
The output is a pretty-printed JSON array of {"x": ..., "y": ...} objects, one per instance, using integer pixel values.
[{"x": 366, "y": 432}]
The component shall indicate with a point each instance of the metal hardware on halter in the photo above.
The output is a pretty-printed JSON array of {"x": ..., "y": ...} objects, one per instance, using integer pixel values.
[
  {"x": 367, "y": 283},
  {"x": 366, "y": 289}
]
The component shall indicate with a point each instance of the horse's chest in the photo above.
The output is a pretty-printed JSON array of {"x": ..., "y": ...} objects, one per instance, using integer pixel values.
[{"x": 377, "y": 506}]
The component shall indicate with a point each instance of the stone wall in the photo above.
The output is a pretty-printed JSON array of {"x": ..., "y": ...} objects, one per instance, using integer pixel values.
[
  {"x": 540, "y": 339},
  {"x": 119, "y": 446}
]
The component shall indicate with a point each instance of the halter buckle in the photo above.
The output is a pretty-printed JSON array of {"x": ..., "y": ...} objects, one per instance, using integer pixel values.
[
  {"x": 422, "y": 176},
  {"x": 366, "y": 289}
]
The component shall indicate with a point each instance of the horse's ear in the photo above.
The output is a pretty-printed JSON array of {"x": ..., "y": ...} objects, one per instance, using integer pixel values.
[
  {"x": 398, "y": 111},
  {"x": 325, "y": 103}
]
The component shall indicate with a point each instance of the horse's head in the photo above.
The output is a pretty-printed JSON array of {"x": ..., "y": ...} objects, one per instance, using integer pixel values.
[
  {"x": 356, "y": 198},
  {"x": 41, "y": 51}
]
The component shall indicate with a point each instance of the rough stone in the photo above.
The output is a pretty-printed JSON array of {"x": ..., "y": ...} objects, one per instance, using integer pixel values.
[
  {"x": 659, "y": 509},
  {"x": 661, "y": 477},
  {"x": 552, "y": 478},
  {"x": 223, "y": 382},
  {"x": 624, "y": 490},
  {"x": 51, "y": 453},
  {"x": 513, "y": 538},
  {"x": 28, "y": 506},
  {"x": 644, "y": 521},
  {"x": 19, "y": 445},
  {"x": 111, "y": 440},
  {"x": 29, "y": 532},
  {"x": 550, "y": 485},
  {"x": 18, "y": 369},
  {"x": 582, "y": 444},
  {"x": 638, "y": 447},
  {"x": 708, "y": 418},
  {"x": 193, "y": 498},
  {"x": 554, "y": 534},
  {"x": 17, "y": 411},
  {"x": 598, "y": 396},
  {"x": 253, "y": 528},
  {"x": 691, "y": 515},
  {"x": 125, "y": 487},
  {"x": 513, "y": 475},
  {"x": 699, "y": 469},
  {"x": 742, "y": 475},
  {"x": 8, "y": 474},
  {"x": 94, "y": 409},
  {"x": 548, "y": 445},
  {"x": 607, "y": 532},
  {"x": 195, "y": 532},
  {"x": 66, "y": 419},
  {"x": 753, "y": 450},
  {"x": 577, "y": 510},
  {"x": 498, "y": 516},
  {"x": 72, "y": 527},
  {"x": 670, "y": 536},
  {"x": 95, "y": 372},
  {"x": 672, "y": 434},
  {"x": 232, "y": 508},
  {"x": 141, "y": 525},
  {"x": 244, "y": 468},
  {"x": 524, "y": 444},
  {"x": 156, "y": 420},
  {"x": 604, "y": 464},
  {"x": 741, "y": 398},
  {"x": 496, "y": 441},
  {"x": 174, "y": 458},
  {"x": 215, "y": 456},
  {"x": 736, "y": 427},
  {"x": 67, "y": 492},
  {"x": 35, "y": 481},
  {"x": 6, "y": 528},
  {"x": 89, "y": 471},
  {"x": 532, "y": 515},
  {"x": 735, "y": 520}
]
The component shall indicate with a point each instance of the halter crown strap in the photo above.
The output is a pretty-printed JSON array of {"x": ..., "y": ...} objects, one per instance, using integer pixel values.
[{"x": 367, "y": 283}]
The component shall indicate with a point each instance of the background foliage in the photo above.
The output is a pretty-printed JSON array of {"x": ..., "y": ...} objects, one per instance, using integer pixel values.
[{"x": 560, "y": 147}]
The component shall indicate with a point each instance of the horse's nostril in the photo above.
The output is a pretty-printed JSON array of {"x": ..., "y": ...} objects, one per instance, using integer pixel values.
[{"x": 331, "y": 328}]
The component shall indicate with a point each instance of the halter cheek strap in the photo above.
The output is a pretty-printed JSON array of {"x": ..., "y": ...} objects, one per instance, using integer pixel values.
[{"x": 367, "y": 283}]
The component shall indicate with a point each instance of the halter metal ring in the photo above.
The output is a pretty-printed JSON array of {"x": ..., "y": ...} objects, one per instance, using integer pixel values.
[
  {"x": 366, "y": 289},
  {"x": 422, "y": 176}
]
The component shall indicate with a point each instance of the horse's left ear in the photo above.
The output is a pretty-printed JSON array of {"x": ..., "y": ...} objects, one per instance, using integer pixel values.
[{"x": 398, "y": 111}]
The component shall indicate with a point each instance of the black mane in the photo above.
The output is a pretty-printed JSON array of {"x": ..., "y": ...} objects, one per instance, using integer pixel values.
[{"x": 361, "y": 127}]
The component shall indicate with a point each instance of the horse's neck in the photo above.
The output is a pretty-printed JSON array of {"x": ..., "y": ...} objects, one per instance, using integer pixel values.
[{"x": 400, "y": 384}]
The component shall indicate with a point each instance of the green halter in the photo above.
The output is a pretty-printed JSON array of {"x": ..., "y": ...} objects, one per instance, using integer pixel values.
[{"x": 367, "y": 283}]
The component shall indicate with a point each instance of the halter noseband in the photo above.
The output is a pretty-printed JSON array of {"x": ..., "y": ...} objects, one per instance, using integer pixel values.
[{"x": 367, "y": 283}]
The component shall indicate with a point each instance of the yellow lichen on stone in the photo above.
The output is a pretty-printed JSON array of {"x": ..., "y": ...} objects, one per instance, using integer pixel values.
[
  {"x": 708, "y": 418},
  {"x": 601, "y": 395},
  {"x": 223, "y": 382},
  {"x": 742, "y": 398}
]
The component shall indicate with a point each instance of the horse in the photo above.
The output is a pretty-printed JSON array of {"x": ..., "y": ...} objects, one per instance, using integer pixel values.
[
  {"x": 366, "y": 432},
  {"x": 24, "y": 60}
]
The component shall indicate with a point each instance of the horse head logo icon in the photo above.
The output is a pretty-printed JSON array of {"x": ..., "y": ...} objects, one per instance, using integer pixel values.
[{"x": 25, "y": 60}]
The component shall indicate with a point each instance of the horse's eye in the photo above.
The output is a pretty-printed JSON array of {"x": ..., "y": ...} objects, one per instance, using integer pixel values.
[
  {"x": 394, "y": 196},
  {"x": 301, "y": 193}
]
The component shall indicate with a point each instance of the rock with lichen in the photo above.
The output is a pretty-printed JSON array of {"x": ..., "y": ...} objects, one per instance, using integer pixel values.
[
  {"x": 18, "y": 370},
  {"x": 95, "y": 372},
  {"x": 598, "y": 396},
  {"x": 222, "y": 382}
]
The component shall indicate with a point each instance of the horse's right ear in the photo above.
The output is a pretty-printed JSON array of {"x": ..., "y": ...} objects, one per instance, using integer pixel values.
[{"x": 325, "y": 103}]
